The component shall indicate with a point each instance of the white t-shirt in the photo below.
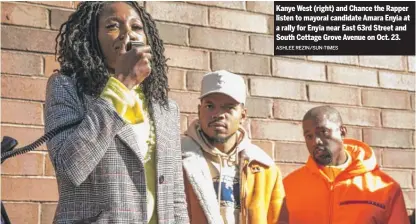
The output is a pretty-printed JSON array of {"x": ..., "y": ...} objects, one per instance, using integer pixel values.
[{"x": 229, "y": 192}]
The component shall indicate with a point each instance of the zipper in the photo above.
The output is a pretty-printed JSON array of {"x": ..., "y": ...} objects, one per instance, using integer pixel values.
[
  {"x": 243, "y": 192},
  {"x": 331, "y": 201}
]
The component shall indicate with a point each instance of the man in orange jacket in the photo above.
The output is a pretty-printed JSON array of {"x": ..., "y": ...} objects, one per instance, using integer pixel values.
[
  {"x": 228, "y": 179},
  {"x": 341, "y": 182}
]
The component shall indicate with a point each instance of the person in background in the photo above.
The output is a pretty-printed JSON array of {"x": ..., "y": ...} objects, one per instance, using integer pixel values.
[
  {"x": 341, "y": 181},
  {"x": 412, "y": 217},
  {"x": 228, "y": 179},
  {"x": 122, "y": 162}
]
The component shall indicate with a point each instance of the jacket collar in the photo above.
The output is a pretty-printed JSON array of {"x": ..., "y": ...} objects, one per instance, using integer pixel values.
[
  {"x": 362, "y": 159},
  {"x": 247, "y": 150},
  {"x": 199, "y": 176},
  {"x": 127, "y": 134}
]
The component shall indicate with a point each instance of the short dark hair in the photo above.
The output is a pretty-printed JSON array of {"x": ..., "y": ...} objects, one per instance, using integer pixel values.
[{"x": 331, "y": 114}]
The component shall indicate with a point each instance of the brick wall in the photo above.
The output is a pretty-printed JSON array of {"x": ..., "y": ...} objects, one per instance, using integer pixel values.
[{"x": 374, "y": 94}]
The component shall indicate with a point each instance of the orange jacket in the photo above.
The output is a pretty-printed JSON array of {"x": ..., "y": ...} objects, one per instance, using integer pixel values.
[
  {"x": 361, "y": 194},
  {"x": 261, "y": 188}
]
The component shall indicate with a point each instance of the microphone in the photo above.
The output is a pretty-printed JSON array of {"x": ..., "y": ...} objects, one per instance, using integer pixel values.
[
  {"x": 132, "y": 44},
  {"x": 8, "y": 144}
]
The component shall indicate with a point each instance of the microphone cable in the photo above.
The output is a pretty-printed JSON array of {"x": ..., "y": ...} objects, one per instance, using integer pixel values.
[{"x": 11, "y": 153}]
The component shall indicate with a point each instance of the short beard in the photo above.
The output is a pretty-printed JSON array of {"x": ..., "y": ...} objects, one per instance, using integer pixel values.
[
  {"x": 216, "y": 139},
  {"x": 323, "y": 160}
]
